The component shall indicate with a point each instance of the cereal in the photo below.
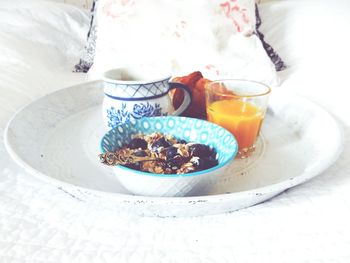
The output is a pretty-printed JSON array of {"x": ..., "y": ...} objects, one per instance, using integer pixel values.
[{"x": 164, "y": 154}]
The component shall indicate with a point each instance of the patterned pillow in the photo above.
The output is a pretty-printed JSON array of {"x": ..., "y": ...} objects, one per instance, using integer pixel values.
[
  {"x": 275, "y": 58},
  {"x": 237, "y": 12},
  {"x": 87, "y": 58}
]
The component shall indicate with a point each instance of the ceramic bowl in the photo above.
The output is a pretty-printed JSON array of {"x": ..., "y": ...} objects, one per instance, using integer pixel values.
[{"x": 189, "y": 129}]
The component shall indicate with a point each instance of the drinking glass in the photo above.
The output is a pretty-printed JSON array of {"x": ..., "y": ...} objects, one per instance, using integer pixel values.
[{"x": 240, "y": 107}]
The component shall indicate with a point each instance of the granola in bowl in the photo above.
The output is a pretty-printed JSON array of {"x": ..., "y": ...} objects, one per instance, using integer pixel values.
[
  {"x": 190, "y": 162},
  {"x": 165, "y": 154}
]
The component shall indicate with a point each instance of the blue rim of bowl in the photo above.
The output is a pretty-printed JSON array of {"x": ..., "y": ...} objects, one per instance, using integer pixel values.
[{"x": 231, "y": 157}]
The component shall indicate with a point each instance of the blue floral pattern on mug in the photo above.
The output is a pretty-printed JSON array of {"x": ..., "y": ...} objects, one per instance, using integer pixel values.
[
  {"x": 146, "y": 110},
  {"x": 140, "y": 110},
  {"x": 117, "y": 117}
]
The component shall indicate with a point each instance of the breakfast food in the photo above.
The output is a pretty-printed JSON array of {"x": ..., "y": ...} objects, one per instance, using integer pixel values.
[
  {"x": 164, "y": 154},
  {"x": 197, "y": 84}
]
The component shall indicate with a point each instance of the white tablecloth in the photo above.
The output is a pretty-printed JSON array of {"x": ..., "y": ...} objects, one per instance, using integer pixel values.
[{"x": 309, "y": 223}]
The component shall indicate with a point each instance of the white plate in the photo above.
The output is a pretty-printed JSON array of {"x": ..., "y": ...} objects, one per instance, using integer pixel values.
[{"x": 56, "y": 138}]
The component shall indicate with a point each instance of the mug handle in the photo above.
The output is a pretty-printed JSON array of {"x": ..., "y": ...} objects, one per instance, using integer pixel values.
[{"x": 187, "y": 97}]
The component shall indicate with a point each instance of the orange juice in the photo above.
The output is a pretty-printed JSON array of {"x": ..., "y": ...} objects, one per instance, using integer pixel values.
[{"x": 242, "y": 119}]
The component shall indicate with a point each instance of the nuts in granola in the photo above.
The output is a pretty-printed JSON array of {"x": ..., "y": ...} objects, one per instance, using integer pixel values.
[{"x": 169, "y": 155}]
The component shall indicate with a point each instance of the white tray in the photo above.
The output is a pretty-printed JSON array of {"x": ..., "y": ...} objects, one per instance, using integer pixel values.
[{"x": 56, "y": 138}]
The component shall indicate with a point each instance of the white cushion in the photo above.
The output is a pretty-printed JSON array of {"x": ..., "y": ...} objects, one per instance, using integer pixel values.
[{"x": 215, "y": 37}]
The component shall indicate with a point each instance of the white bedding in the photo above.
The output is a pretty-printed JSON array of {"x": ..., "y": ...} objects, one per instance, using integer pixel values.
[{"x": 39, "y": 44}]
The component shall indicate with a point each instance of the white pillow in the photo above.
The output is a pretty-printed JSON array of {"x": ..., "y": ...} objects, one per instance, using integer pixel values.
[{"x": 215, "y": 37}]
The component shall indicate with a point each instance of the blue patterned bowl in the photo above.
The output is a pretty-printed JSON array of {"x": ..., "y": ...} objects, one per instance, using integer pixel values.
[{"x": 189, "y": 129}]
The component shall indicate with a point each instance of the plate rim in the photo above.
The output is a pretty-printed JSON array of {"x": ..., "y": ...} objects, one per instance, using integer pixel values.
[{"x": 260, "y": 191}]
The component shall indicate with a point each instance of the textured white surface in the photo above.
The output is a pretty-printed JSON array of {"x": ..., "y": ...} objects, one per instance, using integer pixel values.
[{"x": 309, "y": 223}]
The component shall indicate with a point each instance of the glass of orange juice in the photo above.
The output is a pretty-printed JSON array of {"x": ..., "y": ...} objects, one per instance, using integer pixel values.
[{"x": 239, "y": 106}]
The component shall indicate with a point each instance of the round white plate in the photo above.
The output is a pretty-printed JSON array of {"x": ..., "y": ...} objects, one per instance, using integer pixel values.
[{"x": 56, "y": 138}]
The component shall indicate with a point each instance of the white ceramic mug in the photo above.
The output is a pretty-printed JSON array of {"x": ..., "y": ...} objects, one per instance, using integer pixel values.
[{"x": 138, "y": 92}]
